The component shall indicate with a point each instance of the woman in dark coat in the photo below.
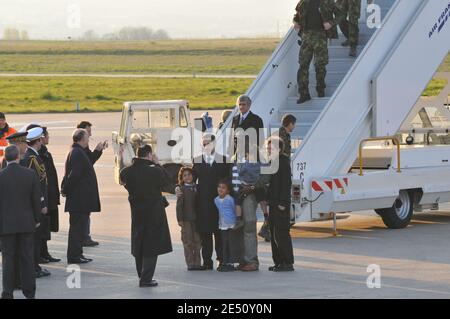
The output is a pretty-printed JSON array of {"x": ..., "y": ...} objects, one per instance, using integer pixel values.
[
  {"x": 279, "y": 198},
  {"x": 150, "y": 234},
  {"x": 53, "y": 195}
]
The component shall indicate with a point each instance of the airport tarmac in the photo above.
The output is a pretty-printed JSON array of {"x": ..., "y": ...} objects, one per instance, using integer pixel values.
[{"x": 413, "y": 262}]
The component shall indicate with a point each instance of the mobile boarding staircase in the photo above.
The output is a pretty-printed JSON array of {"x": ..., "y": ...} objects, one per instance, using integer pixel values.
[{"x": 370, "y": 96}]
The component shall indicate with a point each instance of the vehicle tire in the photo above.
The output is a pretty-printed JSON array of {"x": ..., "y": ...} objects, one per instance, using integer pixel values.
[{"x": 400, "y": 214}]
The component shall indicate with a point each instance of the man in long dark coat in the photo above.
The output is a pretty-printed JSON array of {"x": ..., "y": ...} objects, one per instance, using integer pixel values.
[
  {"x": 94, "y": 156},
  {"x": 82, "y": 196},
  {"x": 150, "y": 234},
  {"x": 208, "y": 171}
]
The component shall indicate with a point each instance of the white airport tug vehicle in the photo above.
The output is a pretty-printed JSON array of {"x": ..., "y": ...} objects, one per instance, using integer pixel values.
[
  {"x": 152, "y": 123},
  {"x": 355, "y": 149}
]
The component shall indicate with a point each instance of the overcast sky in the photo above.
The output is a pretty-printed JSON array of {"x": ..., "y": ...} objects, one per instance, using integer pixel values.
[{"x": 181, "y": 18}]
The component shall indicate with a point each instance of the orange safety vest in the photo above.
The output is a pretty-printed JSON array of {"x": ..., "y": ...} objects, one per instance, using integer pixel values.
[{"x": 4, "y": 142}]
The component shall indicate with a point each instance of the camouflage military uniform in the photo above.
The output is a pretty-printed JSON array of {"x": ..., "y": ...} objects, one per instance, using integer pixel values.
[
  {"x": 349, "y": 14},
  {"x": 314, "y": 45},
  {"x": 286, "y": 137}
]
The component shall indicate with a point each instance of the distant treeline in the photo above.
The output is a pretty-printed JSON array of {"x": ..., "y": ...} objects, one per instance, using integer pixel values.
[
  {"x": 124, "y": 34},
  {"x": 12, "y": 34},
  {"x": 127, "y": 34}
]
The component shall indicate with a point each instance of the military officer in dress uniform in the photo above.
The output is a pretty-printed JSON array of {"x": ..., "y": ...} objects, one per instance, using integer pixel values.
[
  {"x": 53, "y": 195},
  {"x": 33, "y": 160}
]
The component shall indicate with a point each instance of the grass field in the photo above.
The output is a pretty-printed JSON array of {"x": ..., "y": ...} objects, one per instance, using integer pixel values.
[
  {"x": 31, "y": 94},
  {"x": 239, "y": 56},
  {"x": 46, "y": 94},
  {"x": 158, "y": 57},
  {"x": 229, "y": 57}
]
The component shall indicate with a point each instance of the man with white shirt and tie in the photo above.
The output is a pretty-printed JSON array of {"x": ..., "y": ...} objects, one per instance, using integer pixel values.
[
  {"x": 209, "y": 169},
  {"x": 246, "y": 119}
]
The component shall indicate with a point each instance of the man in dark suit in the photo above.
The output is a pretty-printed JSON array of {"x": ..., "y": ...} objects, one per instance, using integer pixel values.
[
  {"x": 94, "y": 156},
  {"x": 82, "y": 196},
  {"x": 246, "y": 120},
  {"x": 150, "y": 234},
  {"x": 33, "y": 160},
  {"x": 20, "y": 211},
  {"x": 209, "y": 169},
  {"x": 20, "y": 140}
]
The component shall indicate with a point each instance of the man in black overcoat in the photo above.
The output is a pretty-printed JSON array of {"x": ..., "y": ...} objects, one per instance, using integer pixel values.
[
  {"x": 20, "y": 212},
  {"x": 80, "y": 187},
  {"x": 94, "y": 156},
  {"x": 150, "y": 234}
]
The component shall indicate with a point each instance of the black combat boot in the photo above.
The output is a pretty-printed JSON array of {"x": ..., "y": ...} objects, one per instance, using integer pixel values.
[
  {"x": 346, "y": 43},
  {"x": 320, "y": 92},
  {"x": 304, "y": 98},
  {"x": 353, "y": 52}
]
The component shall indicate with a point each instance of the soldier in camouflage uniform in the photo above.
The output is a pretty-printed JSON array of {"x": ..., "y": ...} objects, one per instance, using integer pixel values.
[
  {"x": 315, "y": 22},
  {"x": 349, "y": 14}
]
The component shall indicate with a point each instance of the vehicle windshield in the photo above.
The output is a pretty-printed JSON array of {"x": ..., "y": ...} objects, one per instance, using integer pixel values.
[{"x": 153, "y": 118}]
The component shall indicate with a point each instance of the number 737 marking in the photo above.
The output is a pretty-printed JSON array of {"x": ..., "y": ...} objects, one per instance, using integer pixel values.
[{"x": 301, "y": 166}]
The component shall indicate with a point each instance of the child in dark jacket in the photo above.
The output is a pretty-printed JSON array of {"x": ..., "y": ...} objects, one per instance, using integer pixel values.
[{"x": 186, "y": 217}]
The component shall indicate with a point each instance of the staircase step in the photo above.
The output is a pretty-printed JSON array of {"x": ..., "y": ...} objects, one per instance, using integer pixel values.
[
  {"x": 337, "y": 65},
  {"x": 302, "y": 115},
  {"x": 315, "y": 102},
  {"x": 329, "y": 91},
  {"x": 334, "y": 78},
  {"x": 340, "y": 52}
]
